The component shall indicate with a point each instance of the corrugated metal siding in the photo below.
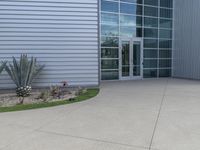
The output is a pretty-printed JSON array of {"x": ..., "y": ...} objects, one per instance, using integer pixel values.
[
  {"x": 187, "y": 39},
  {"x": 62, "y": 34}
]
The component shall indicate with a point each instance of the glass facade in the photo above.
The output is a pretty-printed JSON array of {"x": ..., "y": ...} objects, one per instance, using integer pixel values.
[{"x": 150, "y": 20}]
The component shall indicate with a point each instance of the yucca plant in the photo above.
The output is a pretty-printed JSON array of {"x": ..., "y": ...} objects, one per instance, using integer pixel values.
[
  {"x": 2, "y": 66},
  {"x": 22, "y": 73}
]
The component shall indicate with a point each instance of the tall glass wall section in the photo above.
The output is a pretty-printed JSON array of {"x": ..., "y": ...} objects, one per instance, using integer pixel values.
[{"x": 150, "y": 20}]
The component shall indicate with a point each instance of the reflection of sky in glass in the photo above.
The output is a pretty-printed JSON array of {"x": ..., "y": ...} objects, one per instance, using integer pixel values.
[
  {"x": 132, "y": 9},
  {"x": 109, "y": 19},
  {"x": 128, "y": 8},
  {"x": 127, "y": 31},
  {"x": 126, "y": 20},
  {"x": 132, "y": 1},
  {"x": 130, "y": 32},
  {"x": 109, "y": 6},
  {"x": 109, "y": 30}
]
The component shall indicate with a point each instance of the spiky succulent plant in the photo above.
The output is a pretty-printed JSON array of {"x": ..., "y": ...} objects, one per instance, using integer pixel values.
[
  {"x": 22, "y": 73},
  {"x": 2, "y": 66}
]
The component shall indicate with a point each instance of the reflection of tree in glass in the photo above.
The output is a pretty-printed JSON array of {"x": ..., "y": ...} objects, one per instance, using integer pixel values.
[
  {"x": 111, "y": 34},
  {"x": 110, "y": 42}
]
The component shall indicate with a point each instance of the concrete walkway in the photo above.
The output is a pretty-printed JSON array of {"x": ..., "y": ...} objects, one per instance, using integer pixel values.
[{"x": 156, "y": 114}]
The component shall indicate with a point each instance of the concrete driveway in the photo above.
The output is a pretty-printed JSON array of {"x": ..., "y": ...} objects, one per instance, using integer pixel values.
[{"x": 157, "y": 114}]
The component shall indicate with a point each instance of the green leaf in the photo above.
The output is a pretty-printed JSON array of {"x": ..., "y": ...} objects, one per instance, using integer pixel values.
[
  {"x": 23, "y": 72},
  {"x": 2, "y": 66}
]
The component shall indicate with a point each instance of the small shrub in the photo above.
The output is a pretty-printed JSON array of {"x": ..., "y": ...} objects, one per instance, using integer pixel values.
[
  {"x": 55, "y": 91},
  {"x": 44, "y": 95},
  {"x": 80, "y": 91},
  {"x": 59, "y": 91},
  {"x": 22, "y": 73}
]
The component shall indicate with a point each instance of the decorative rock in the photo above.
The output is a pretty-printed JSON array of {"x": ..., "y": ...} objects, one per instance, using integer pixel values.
[
  {"x": 23, "y": 91},
  {"x": 11, "y": 99}
]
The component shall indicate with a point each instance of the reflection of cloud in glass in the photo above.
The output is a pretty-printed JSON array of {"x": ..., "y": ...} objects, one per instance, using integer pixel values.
[
  {"x": 109, "y": 6},
  {"x": 109, "y": 19},
  {"x": 109, "y": 30},
  {"x": 131, "y": 31},
  {"x": 131, "y": 9},
  {"x": 126, "y": 20}
]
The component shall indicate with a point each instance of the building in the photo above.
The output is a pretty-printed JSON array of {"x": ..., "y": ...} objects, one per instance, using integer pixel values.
[
  {"x": 138, "y": 36},
  {"x": 86, "y": 41}
]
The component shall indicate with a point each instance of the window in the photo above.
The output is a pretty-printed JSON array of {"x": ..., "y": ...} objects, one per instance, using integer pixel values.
[
  {"x": 166, "y": 3},
  {"x": 109, "y": 53},
  {"x": 109, "y": 74},
  {"x": 109, "y": 6},
  {"x": 151, "y": 33},
  {"x": 150, "y": 73},
  {"x": 165, "y": 23},
  {"x": 150, "y": 53},
  {"x": 165, "y": 63},
  {"x": 109, "y": 19},
  {"x": 132, "y": 1},
  {"x": 151, "y": 2},
  {"x": 166, "y": 13},
  {"x": 150, "y": 43},
  {"x": 150, "y": 19},
  {"x": 130, "y": 31},
  {"x": 151, "y": 11},
  {"x": 166, "y": 34},
  {"x": 109, "y": 64},
  {"x": 165, "y": 53},
  {"x": 164, "y": 72},
  {"x": 165, "y": 44},
  {"x": 150, "y": 63},
  {"x": 107, "y": 30},
  {"x": 130, "y": 9},
  {"x": 128, "y": 20},
  {"x": 150, "y": 22},
  {"x": 109, "y": 42}
]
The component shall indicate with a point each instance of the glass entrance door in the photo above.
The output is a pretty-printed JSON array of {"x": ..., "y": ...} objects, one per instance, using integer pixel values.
[{"x": 131, "y": 59}]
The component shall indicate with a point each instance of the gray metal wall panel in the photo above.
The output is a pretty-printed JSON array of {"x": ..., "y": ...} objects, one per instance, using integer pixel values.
[
  {"x": 62, "y": 34},
  {"x": 186, "y": 44}
]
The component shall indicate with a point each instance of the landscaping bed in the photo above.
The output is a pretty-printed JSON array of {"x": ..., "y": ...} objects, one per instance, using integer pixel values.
[
  {"x": 22, "y": 72},
  {"x": 10, "y": 102}
]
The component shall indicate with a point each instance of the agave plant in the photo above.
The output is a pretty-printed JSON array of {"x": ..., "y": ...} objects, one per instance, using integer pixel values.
[
  {"x": 2, "y": 66},
  {"x": 22, "y": 73}
]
